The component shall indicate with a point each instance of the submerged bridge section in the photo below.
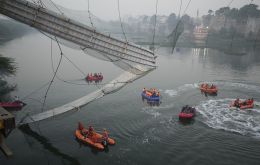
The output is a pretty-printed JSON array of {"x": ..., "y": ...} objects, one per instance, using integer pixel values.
[
  {"x": 75, "y": 105},
  {"x": 87, "y": 38}
]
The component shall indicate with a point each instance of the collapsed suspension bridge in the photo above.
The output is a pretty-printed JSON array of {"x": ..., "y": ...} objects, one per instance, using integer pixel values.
[{"x": 135, "y": 60}]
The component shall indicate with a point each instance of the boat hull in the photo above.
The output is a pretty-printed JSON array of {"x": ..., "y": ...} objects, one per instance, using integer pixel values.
[
  {"x": 15, "y": 104},
  {"x": 208, "y": 90},
  {"x": 242, "y": 106},
  {"x": 95, "y": 140},
  {"x": 150, "y": 98}
]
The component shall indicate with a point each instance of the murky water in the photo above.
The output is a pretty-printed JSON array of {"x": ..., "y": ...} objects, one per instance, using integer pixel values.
[{"x": 144, "y": 134}]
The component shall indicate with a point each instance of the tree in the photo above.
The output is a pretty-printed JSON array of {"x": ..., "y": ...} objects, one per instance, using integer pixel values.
[
  {"x": 249, "y": 11},
  {"x": 145, "y": 19},
  {"x": 152, "y": 20},
  {"x": 171, "y": 21},
  {"x": 206, "y": 19},
  {"x": 210, "y": 12},
  {"x": 233, "y": 13},
  {"x": 7, "y": 67},
  {"x": 222, "y": 11}
]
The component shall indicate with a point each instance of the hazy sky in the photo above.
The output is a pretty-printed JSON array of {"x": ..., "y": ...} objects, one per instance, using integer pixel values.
[{"x": 107, "y": 9}]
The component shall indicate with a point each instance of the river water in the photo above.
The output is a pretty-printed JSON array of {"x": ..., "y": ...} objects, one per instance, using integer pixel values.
[{"x": 144, "y": 134}]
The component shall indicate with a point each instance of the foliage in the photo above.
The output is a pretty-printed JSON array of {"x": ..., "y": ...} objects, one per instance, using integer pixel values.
[
  {"x": 7, "y": 66},
  {"x": 171, "y": 21},
  {"x": 246, "y": 11}
]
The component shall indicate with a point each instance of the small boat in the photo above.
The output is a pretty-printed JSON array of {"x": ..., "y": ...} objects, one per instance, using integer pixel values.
[
  {"x": 94, "y": 78},
  {"x": 95, "y": 140},
  {"x": 15, "y": 104},
  {"x": 242, "y": 104},
  {"x": 208, "y": 89},
  {"x": 187, "y": 113},
  {"x": 151, "y": 96}
]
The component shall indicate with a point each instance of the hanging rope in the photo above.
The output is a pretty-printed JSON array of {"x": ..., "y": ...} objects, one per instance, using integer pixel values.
[
  {"x": 36, "y": 90},
  {"x": 56, "y": 7},
  {"x": 40, "y": 3},
  {"x": 55, "y": 73},
  {"x": 119, "y": 15},
  {"x": 179, "y": 23},
  {"x": 186, "y": 8},
  {"x": 180, "y": 9},
  {"x": 68, "y": 60},
  {"x": 230, "y": 3},
  {"x": 89, "y": 15},
  {"x": 155, "y": 22}
]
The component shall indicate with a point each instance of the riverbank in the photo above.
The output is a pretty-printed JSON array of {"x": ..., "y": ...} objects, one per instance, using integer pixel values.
[
  {"x": 214, "y": 43},
  {"x": 11, "y": 29}
]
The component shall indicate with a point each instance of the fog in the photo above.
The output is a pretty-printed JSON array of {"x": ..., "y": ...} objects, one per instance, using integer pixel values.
[{"x": 107, "y": 9}]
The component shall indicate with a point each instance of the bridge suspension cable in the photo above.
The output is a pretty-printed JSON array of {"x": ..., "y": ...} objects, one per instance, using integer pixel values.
[{"x": 135, "y": 60}]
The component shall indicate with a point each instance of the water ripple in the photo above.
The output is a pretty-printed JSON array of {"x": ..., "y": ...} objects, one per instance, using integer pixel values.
[{"x": 217, "y": 115}]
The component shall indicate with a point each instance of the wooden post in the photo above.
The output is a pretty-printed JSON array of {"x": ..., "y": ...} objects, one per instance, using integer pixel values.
[{"x": 4, "y": 147}]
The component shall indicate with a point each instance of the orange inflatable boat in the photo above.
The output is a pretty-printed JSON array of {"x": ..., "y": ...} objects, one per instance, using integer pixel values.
[
  {"x": 242, "y": 104},
  {"x": 94, "y": 139},
  {"x": 208, "y": 89}
]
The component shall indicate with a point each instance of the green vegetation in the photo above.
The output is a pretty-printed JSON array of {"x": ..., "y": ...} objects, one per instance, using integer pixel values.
[
  {"x": 242, "y": 13},
  {"x": 7, "y": 68}
]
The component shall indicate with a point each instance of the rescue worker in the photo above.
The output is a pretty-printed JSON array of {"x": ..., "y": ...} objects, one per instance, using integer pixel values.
[
  {"x": 90, "y": 131},
  {"x": 144, "y": 90},
  {"x": 105, "y": 134},
  {"x": 236, "y": 103},
  {"x": 82, "y": 130},
  {"x": 105, "y": 137}
]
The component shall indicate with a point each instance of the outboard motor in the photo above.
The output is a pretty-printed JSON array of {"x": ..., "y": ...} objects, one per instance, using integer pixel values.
[{"x": 104, "y": 142}]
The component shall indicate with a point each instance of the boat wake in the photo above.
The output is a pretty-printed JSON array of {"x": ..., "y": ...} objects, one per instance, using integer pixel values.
[
  {"x": 216, "y": 114},
  {"x": 220, "y": 84},
  {"x": 153, "y": 110},
  {"x": 235, "y": 85},
  {"x": 183, "y": 88}
]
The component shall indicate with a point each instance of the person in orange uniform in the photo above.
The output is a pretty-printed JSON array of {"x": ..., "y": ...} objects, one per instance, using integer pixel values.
[
  {"x": 105, "y": 134},
  {"x": 104, "y": 137},
  {"x": 90, "y": 131},
  {"x": 82, "y": 130}
]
